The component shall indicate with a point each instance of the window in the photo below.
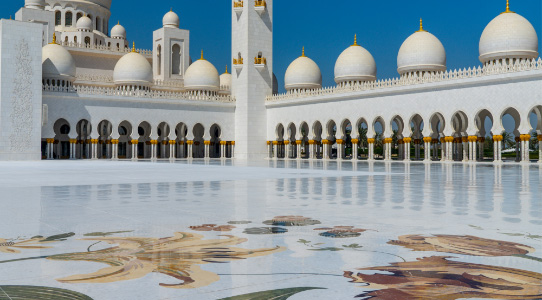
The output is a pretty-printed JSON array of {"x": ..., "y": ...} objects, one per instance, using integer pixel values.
[
  {"x": 58, "y": 18},
  {"x": 79, "y": 15},
  {"x": 159, "y": 50},
  {"x": 75, "y": 40},
  {"x": 87, "y": 41},
  {"x": 69, "y": 19},
  {"x": 66, "y": 40},
  {"x": 176, "y": 60}
]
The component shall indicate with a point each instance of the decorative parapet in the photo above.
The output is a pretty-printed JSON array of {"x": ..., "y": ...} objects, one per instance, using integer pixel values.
[
  {"x": 94, "y": 78},
  {"x": 491, "y": 69},
  {"x": 238, "y": 61},
  {"x": 169, "y": 83},
  {"x": 105, "y": 48},
  {"x": 137, "y": 93}
]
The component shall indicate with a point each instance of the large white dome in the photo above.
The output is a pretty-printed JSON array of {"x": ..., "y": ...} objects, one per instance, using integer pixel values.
[
  {"x": 303, "y": 73},
  {"x": 35, "y": 4},
  {"x": 84, "y": 23},
  {"x": 57, "y": 63},
  {"x": 355, "y": 64},
  {"x": 118, "y": 31},
  {"x": 171, "y": 19},
  {"x": 133, "y": 69},
  {"x": 421, "y": 51},
  {"x": 202, "y": 76},
  {"x": 509, "y": 35}
]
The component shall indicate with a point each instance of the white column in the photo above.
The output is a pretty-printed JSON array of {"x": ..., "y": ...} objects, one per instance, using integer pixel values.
[
  {"x": 313, "y": 149},
  {"x": 371, "y": 149},
  {"x": 443, "y": 149},
  {"x": 190, "y": 153},
  {"x": 325, "y": 147},
  {"x": 427, "y": 149},
  {"x": 340, "y": 149},
  {"x": 134, "y": 149},
  {"x": 540, "y": 149},
  {"x": 49, "y": 149},
  {"x": 355, "y": 144},
  {"x": 172, "y": 151},
  {"x": 207, "y": 149},
  {"x": 114, "y": 149},
  {"x": 232, "y": 149},
  {"x": 465, "y": 149},
  {"x": 270, "y": 149},
  {"x": 298, "y": 148}
]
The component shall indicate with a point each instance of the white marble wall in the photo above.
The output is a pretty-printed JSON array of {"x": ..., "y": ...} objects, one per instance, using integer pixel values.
[
  {"x": 20, "y": 90},
  {"x": 495, "y": 93}
]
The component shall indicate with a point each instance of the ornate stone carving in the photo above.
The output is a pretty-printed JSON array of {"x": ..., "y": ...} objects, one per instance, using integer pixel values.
[{"x": 21, "y": 102}]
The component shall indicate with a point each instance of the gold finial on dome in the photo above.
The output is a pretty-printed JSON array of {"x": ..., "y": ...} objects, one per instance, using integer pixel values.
[
  {"x": 507, "y": 11},
  {"x": 54, "y": 38},
  {"x": 303, "y": 52},
  {"x": 202, "y": 55},
  {"x": 133, "y": 47},
  {"x": 421, "y": 26},
  {"x": 355, "y": 40},
  {"x": 118, "y": 22},
  {"x": 226, "y": 70}
]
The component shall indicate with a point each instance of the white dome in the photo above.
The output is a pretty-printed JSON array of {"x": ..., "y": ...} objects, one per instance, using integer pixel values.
[
  {"x": 355, "y": 64},
  {"x": 509, "y": 35},
  {"x": 84, "y": 23},
  {"x": 303, "y": 73},
  {"x": 421, "y": 51},
  {"x": 171, "y": 19},
  {"x": 202, "y": 76},
  {"x": 133, "y": 69},
  {"x": 57, "y": 63},
  {"x": 118, "y": 31},
  {"x": 225, "y": 81},
  {"x": 35, "y": 4}
]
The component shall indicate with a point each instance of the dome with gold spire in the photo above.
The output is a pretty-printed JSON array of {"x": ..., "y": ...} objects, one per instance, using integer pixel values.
[
  {"x": 421, "y": 52},
  {"x": 202, "y": 76},
  {"x": 133, "y": 69},
  {"x": 303, "y": 74},
  {"x": 509, "y": 35},
  {"x": 355, "y": 64},
  {"x": 57, "y": 62}
]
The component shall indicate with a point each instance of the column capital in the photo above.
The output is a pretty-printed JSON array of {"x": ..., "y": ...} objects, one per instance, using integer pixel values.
[
  {"x": 370, "y": 141},
  {"x": 299, "y": 142},
  {"x": 498, "y": 138},
  {"x": 312, "y": 142},
  {"x": 539, "y": 137},
  {"x": 207, "y": 143},
  {"x": 464, "y": 139},
  {"x": 172, "y": 142},
  {"x": 268, "y": 143},
  {"x": 388, "y": 141},
  {"x": 427, "y": 139},
  {"x": 340, "y": 142},
  {"x": 154, "y": 142},
  {"x": 275, "y": 143},
  {"x": 525, "y": 137},
  {"x": 407, "y": 140},
  {"x": 355, "y": 141},
  {"x": 115, "y": 142},
  {"x": 73, "y": 141},
  {"x": 165, "y": 142},
  {"x": 232, "y": 143},
  {"x": 223, "y": 143},
  {"x": 473, "y": 138},
  {"x": 190, "y": 142},
  {"x": 449, "y": 139},
  {"x": 50, "y": 141},
  {"x": 134, "y": 142}
]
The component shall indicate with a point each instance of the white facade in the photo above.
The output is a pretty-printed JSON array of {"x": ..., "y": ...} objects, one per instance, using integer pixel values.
[{"x": 103, "y": 98}]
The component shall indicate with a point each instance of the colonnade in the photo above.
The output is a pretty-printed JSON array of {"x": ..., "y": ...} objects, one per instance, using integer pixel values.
[
  {"x": 459, "y": 149},
  {"x": 109, "y": 149}
]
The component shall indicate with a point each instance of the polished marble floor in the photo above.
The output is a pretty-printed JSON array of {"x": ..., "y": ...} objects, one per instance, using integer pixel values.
[{"x": 220, "y": 229}]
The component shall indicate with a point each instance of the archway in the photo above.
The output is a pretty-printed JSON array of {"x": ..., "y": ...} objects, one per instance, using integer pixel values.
[
  {"x": 317, "y": 131},
  {"x": 331, "y": 131},
  {"x": 280, "y": 153},
  {"x": 510, "y": 120},
  {"x": 163, "y": 131},
  {"x": 346, "y": 137},
  {"x": 144, "y": 131},
  {"x": 437, "y": 124},
  {"x": 181, "y": 131},
  {"x": 416, "y": 128},
  {"x": 104, "y": 130},
  {"x": 484, "y": 123},
  {"x": 363, "y": 128},
  {"x": 379, "y": 128},
  {"x": 125, "y": 132},
  {"x": 214, "y": 147},
  {"x": 291, "y": 138},
  {"x": 62, "y": 129},
  {"x": 397, "y": 126},
  {"x": 535, "y": 118},
  {"x": 460, "y": 124},
  {"x": 304, "y": 138},
  {"x": 198, "y": 150},
  {"x": 83, "y": 129}
]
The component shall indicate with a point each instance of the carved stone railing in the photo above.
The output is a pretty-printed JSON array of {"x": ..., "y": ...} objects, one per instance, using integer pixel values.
[
  {"x": 94, "y": 78},
  {"x": 169, "y": 83},
  {"x": 490, "y": 69},
  {"x": 122, "y": 50},
  {"x": 136, "y": 93}
]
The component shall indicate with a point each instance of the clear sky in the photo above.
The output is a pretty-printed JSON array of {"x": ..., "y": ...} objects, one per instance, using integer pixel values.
[{"x": 325, "y": 28}]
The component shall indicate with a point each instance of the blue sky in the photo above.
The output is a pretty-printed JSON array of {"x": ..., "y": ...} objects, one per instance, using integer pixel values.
[{"x": 325, "y": 28}]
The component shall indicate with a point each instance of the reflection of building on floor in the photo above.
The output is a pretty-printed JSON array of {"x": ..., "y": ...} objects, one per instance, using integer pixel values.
[{"x": 101, "y": 98}]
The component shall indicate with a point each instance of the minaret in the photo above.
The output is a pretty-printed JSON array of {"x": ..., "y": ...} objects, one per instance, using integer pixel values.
[{"x": 252, "y": 78}]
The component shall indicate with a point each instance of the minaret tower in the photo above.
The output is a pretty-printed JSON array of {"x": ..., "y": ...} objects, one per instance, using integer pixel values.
[{"x": 252, "y": 74}]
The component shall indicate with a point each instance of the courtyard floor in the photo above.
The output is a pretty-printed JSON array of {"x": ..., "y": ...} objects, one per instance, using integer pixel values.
[{"x": 309, "y": 230}]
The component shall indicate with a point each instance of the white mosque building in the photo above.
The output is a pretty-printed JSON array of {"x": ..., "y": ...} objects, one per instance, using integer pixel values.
[{"x": 93, "y": 95}]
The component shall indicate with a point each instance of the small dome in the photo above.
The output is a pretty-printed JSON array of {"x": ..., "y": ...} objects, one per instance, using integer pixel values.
[
  {"x": 355, "y": 64},
  {"x": 171, "y": 20},
  {"x": 57, "y": 62},
  {"x": 118, "y": 32},
  {"x": 303, "y": 73},
  {"x": 509, "y": 35},
  {"x": 84, "y": 23},
  {"x": 133, "y": 69},
  {"x": 35, "y": 4},
  {"x": 423, "y": 52},
  {"x": 225, "y": 82},
  {"x": 202, "y": 76}
]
